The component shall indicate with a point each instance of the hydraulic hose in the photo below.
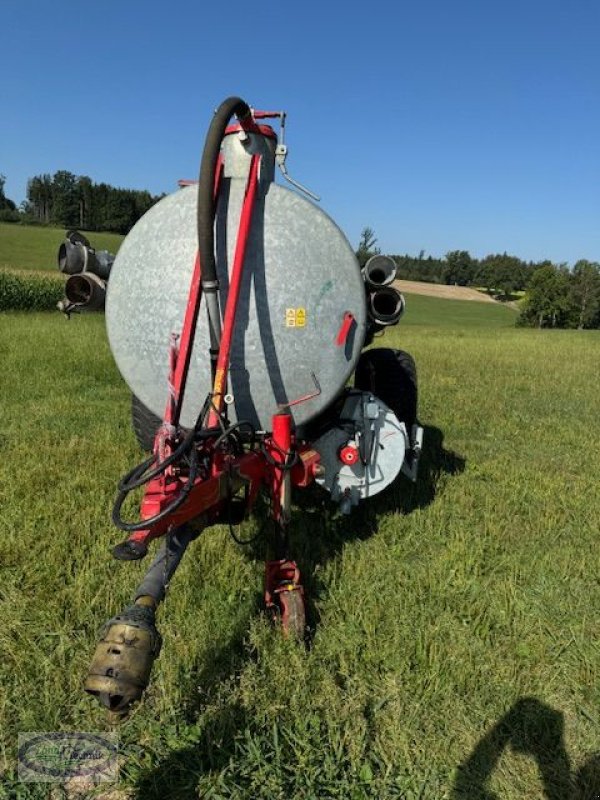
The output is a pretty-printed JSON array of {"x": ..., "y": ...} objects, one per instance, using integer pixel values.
[
  {"x": 206, "y": 211},
  {"x": 169, "y": 509}
]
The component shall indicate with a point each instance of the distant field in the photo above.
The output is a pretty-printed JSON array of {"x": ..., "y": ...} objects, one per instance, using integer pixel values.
[
  {"x": 27, "y": 247},
  {"x": 445, "y": 292},
  {"x": 456, "y": 645}
]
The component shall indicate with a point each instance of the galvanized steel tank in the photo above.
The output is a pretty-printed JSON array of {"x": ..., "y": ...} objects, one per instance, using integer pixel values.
[{"x": 300, "y": 279}]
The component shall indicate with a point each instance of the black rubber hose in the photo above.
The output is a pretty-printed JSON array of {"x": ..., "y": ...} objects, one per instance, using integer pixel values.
[
  {"x": 138, "y": 476},
  {"x": 170, "y": 509},
  {"x": 206, "y": 185}
]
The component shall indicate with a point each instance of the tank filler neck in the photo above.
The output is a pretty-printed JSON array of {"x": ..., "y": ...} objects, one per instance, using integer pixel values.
[{"x": 241, "y": 143}]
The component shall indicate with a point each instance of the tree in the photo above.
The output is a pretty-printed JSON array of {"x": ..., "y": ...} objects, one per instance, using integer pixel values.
[
  {"x": 367, "y": 246},
  {"x": 548, "y": 298},
  {"x": 75, "y": 201},
  {"x": 5, "y": 203},
  {"x": 85, "y": 191},
  {"x": 65, "y": 199},
  {"x": 585, "y": 293},
  {"x": 460, "y": 268},
  {"x": 502, "y": 274},
  {"x": 39, "y": 197}
]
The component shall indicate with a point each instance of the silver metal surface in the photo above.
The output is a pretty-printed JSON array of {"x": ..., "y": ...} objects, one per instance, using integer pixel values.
[
  {"x": 86, "y": 291},
  {"x": 380, "y": 271},
  {"x": 300, "y": 279},
  {"x": 237, "y": 152},
  {"x": 380, "y": 439}
]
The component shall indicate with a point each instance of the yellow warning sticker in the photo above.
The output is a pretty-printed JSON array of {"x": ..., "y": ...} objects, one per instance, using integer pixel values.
[{"x": 295, "y": 317}]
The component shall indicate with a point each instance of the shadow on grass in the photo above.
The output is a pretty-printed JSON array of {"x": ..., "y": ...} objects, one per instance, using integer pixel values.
[
  {"x": 317, "y": 536},
  {"x": 534, "y": 729}
]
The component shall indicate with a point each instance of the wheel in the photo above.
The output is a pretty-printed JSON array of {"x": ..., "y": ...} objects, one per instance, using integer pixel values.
[
  {"x": 293, "y": 614},
  {"x": 145, "y": 423},
  {"x": 392, "y": 377}
]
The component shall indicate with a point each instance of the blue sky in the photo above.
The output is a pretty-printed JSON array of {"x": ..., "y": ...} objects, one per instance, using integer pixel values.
[{"x": 441, "y": 125}]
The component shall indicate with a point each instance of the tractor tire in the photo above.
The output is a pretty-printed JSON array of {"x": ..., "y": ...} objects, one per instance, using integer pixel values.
[
  {"x": 145, "y": 424},
  {"x": 392, "y": 377}
]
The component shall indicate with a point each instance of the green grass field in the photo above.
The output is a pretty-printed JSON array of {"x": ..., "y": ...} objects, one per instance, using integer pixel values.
[
  {"x": 25, "y": 247},
  {"x": 456, "y": 637}
]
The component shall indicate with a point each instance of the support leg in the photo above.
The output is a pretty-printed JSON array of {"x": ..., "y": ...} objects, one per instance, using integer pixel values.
[{"x": 284, "y": 595}]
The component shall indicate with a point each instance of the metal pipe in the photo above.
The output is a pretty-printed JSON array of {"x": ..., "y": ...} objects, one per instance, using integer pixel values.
[
  {"x": 379, "y": 271},
  {"x": 385, "y": 305},
  {"x": 86, "y": 291},
  {"x": 165, "y": 563},
  {"x": 75, "y": 257}
]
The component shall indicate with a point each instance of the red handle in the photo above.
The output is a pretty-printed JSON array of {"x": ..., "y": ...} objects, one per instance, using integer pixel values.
[{"x": 345, "y": 328}]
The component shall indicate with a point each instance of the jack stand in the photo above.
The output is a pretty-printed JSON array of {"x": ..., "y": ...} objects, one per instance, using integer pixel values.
[{"x": 284, "y": 596}]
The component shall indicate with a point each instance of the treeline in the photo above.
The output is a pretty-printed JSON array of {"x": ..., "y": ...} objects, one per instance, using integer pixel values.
[
  {"x": 557, "y": 297},
  {"x": 75, "y": 201},
  {"x": 7, "y": 207},
  {"x": 554, "y": 295},
  {"x": 549, "y": 295},
  {"x": 499, "y": 273}
]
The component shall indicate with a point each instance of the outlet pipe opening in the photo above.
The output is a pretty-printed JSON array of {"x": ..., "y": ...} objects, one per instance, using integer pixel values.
[{"x": 386, "y": 305}]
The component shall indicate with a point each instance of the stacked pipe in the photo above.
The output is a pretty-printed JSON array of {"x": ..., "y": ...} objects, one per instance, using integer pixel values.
[
  {"x": 87, "y": 269},
  {"x": 385, "y": 304}
]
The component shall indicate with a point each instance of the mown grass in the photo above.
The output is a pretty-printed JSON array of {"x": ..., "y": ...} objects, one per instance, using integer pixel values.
[
  {"x": 462, "y": 315},
  {"x": 455, "y": 645},
  {"x": 35, "y": 246}
]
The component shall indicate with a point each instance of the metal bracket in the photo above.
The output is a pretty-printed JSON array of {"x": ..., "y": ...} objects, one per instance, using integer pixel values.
[
  {"x": 305, "y": 397},
  {"x": 280, "y": 156},
  {"x": 416, "y": 446}
]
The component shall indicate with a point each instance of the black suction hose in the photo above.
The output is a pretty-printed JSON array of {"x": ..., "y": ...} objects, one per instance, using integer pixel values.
[{"x": 206, "y": 211}]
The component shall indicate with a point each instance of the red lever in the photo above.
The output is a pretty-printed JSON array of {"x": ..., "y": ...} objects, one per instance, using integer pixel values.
[{"x": 345, "y": 328}]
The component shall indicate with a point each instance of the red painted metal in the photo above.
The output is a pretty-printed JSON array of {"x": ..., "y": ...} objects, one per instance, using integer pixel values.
[
  {"x": 281, "y": 578},
  {"x": 347, "y": 323},
  {"x": 267, "y": 114},
  {"x": 235, "y": 283},
  {"x": 206, "y": 498},
  {"x": 209, "y": 493},
  {"x": 281, "y": 452},
  {"x": 304, "y": 471},
  {"x": 349, "y": 454},
  {"x": 265, "y": 130}
]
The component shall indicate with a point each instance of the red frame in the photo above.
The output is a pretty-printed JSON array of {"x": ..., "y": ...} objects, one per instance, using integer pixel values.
[{"x": 210, "y": 494}]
